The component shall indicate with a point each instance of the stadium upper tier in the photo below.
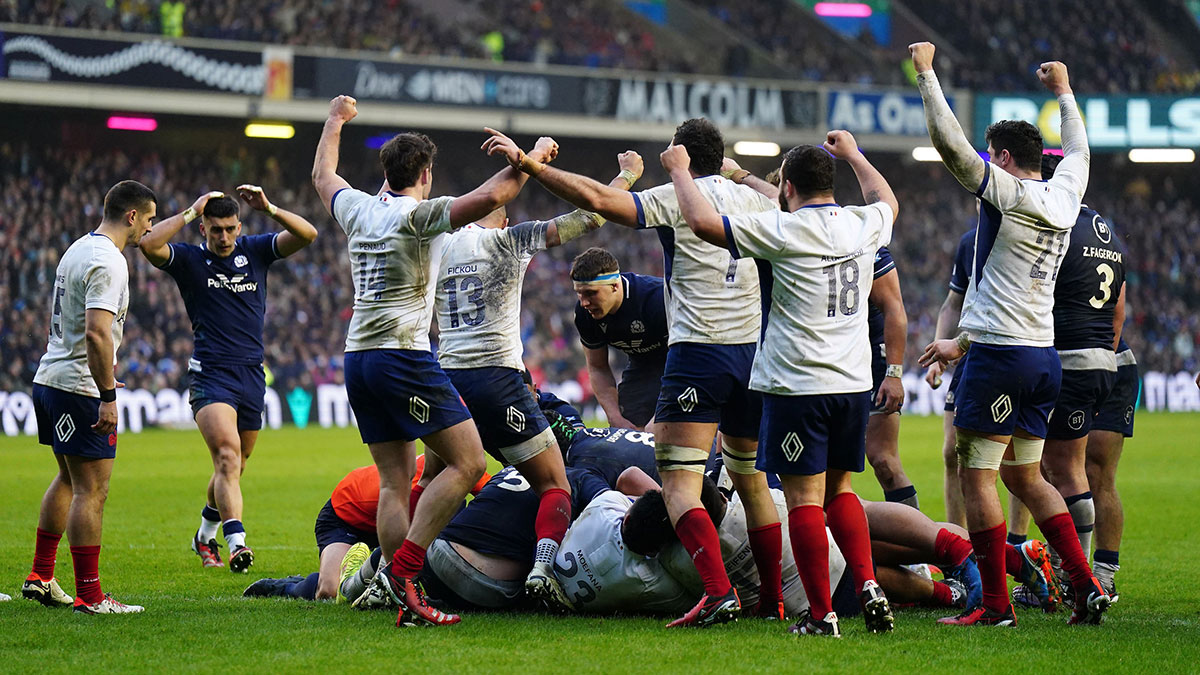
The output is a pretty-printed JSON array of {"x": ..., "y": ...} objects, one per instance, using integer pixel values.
[{"x": 1111, "y": 45}]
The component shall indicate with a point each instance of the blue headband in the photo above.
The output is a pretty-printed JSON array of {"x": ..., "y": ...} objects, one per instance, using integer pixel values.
[{"x": 607, "y": 278}]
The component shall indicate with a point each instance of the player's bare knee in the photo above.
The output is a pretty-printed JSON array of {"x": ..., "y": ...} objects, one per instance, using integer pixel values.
[{"x": 228, "y": 461}]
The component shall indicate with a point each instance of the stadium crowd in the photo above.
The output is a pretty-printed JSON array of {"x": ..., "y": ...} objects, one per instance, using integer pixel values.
[
  {"x": 51, "y": 194},
  {"x": 1126, "y": 51}
]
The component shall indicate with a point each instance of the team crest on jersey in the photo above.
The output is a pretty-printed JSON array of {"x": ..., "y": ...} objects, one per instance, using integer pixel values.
[
  {"x": 792, "y": 446},
  {"x": 65, "y": 428},
  {"x": 688, "y": 399},
  {"x": 240, "y": 261},
  {"x": 1075, "y": 421},
  {"x": 419, "y": 409},
  {"x": 1001, "y": 408},
  {"x": 637, "y": 327},
  {"x": 1103, "y": 231},
  {"x": 515, "y": 419}
]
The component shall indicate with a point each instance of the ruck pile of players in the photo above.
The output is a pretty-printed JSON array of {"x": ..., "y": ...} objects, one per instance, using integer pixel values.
[{"x": 763, "y": 371}]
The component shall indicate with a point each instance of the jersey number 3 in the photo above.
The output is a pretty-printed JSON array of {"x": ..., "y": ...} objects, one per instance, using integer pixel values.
[{"x": 1106, "y": 279}]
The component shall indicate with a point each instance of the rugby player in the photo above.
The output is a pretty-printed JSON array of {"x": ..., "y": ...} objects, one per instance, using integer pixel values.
[
  {"x": 814, "y": 365},
  {"x": 224, "y": 287},
  {"x": 626, "y": 311},
  {"x": 478, "y": 306},
  {"x": 1011, "y": 379},
  {"x": 75, "y": 398},
  {"x": 714, "y": 318},
  {"x": 395, "y": 387}
]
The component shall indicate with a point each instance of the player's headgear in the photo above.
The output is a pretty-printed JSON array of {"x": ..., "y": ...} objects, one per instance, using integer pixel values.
[
  {"x": 222, "y": 207},
  {"x": 1021, "y": 139},
  {"x": 1049, "y": 164},
  {"x": 704, "y": 145},
  {"x": 404, "y": 157},
  {"x": 810, "y": 169},
  {"x": 124, "y": 197}
]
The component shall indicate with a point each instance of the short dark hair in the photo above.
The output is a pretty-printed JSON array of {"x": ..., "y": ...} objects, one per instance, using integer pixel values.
[
  {"x": 704, "y": 144},
  {"x": 647, "y": 527},
  {"x": 1021, "y": 139},
  {"x": 810, "y": 169},
  {"x": 124, "y": 196},
  {"x": 592, "y": 263},
  {"x": 564, "y": 432},
  {"x": 222, "y": 207},
  {"x": 1049, "y": 164},
  {"x": 404, "y": 157}
]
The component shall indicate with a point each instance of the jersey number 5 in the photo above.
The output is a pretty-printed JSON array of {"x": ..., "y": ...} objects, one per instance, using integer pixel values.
[
  {"x": 56, "y": 315},
  {"x": 1106, "y": 279}
]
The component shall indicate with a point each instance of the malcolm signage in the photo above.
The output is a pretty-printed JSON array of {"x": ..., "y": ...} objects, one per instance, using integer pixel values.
[{"x": 1113, "y": 122}]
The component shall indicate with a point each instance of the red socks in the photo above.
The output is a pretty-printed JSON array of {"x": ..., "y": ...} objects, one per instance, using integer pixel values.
[
  {"x": 407, "y": 560},
  {"x": 699, "y": 537},
  {"x": 942, "y": 595},
  {"x": 87, "y": 574},
  {"x": 989, "y": 552},
  {"x": 848, "y": 523},
  {"x": 44, "y": 553},
  {"x": 413, "y": 497},
  {"x": 1060, "y": 534},
  {"x": 806, "y": 526},
  {"x": 951, "y": 548},
  {"x": 766, "y": 543},
  {"x": 554, "y": 515},
  {"x": 1013, "y": 560}
]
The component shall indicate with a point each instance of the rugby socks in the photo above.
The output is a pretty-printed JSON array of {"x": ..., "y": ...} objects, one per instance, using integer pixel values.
[
  {"x": 1105, "y": 556},
  {"x": 1015, "y": 539},
  {"x": 235, "y": 534},
  {"x": 766, "y": 543},
  {"x": 989, "y": 553},
  {"x": 553, "y": 518},
  {"x": 699, "y": 536},
  {"x": 210, "y": 521},
  {"x": 942, "y": 595},
  {"x": 1013, "y": 560},
  {"x": 806, "y": 526},
  {"x": 87, "y": 574},
  {"x": 407, "y": 560},
  {"x": 1060, "y": 533},
  {"x": 413, "y": 497},
  {"x": 1083, "y": 513},
  {"x": 848, "y": 523},
  {"x": 905, "y": 495},
  {"x": 305, "y": 590},
  {"x": 45, "y": 550},
  {"x": 356, "y": 584},
  {"x": 951, "y": 548},
  {"x": 1106, "y": 564}
]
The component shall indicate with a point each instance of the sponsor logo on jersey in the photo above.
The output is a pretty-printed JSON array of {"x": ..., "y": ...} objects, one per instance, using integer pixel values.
[
  {"x": 1103, "y": 231},
  {"x": 237, "y": 283},
  {"x": 1075, "y": 421},
  {"x": 792, "y": 446},
  {"x": 240, "y": 261},
  {"x": 65, "y": 428},
  {"x": 419, "y": 409},
  {"x": 1002, "y": 408},
  {"x": 688, "y": 399}
]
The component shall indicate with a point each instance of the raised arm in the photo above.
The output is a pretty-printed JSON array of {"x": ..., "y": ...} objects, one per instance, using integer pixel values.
[
  {"x": 579, "y": 222},
  {"x": 298, "y": 232},
  {"x": 501, "y": 188},
  {"x": 885, "y": 294},
  {"x": 155, "y": 244},
  {"x": 324, "y": 173},
  {"x": 875, "y": 188},
  {"x": 700, "y": 215},
  {"x": 613, "y": 204},
  {"x": 1075, "y": 166},
  {"x": 957, "y": 153},
  {"x": 731, "y": 170}
]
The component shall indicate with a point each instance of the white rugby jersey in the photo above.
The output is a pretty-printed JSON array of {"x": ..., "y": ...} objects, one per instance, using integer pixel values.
[
  {"x": 1024, "y": 231},
  {"x": 92, "y": 274},
  {"x": 711, "y": 298},
  {"x": 479, "y": 281},
  {"x": 390, "y": 239},
  {"x": 822, "y": 257},
  {"x": 739, "y": 559},
  {"x": 599, "y": 574}
]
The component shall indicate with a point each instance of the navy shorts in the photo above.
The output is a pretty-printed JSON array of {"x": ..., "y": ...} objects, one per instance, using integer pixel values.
[
  {"x": 505, "y": 413},
  {"x": 242, "y": 387},
  {"x": 950, "y": 393},
  {"x": 1005, "y": 387},
  {"x": 1116, "y": 413},
  {"x": 806, "y": 435},
  {"x": 878, "y": 373},
  {"x": 400, "y": 395},
  {"x": 1083, "y": 392},
  {"x": 331, "y": 529},
  {"x": 637, "y": 394},
  {"x": 710, "y": 383},
  {"x": 65, "y": 422}
]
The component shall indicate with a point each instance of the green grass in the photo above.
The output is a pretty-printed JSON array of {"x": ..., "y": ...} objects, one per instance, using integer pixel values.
[{"x": 196, "y": 619}]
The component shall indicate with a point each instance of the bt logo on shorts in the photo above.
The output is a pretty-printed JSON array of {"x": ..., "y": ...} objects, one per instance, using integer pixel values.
[
  {"x": 419, "y": 409},
  {"x": 688, "y": 399},
  {"x": 1075, "y": 421},
  {"x": 1001, "y": 408},
  {"x": 792, "y": 446}
]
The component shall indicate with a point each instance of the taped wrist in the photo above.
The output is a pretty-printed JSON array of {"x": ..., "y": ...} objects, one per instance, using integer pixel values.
[{"x": 576, "y": 224}]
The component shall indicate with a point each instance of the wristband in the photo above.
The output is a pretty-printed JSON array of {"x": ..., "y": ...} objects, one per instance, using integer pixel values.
[
  {"x": 189, "y": 214},
  {"x": 108, "y": 395},
  {"x": 629, "y": 176},
  {"x": 272, "y": 209},
  {"x": 529, "y": 166},
  {"x": 739, "y": 176},
  {"x": 895, "y": 370},
  {"x": 963, "y": 341}
]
